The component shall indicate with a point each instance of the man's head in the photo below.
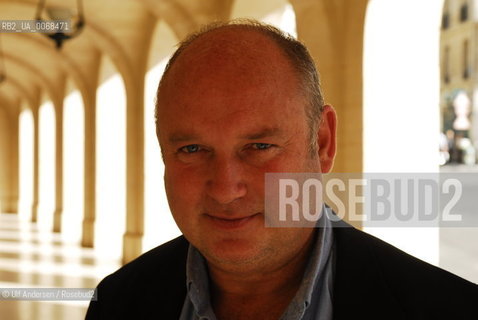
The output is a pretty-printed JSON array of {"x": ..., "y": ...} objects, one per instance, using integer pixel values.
[
  {"x": 237, "y": 101},
  {"x": 294, "y": 50}
]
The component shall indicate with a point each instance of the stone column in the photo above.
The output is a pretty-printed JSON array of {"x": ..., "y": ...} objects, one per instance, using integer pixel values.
[
  {"x": 58, "y": 105},
  {"x": 11, "y": 202},
  {"x": 3, "y": 152},
  {"x": 36, "y": 159},
  {"x": 132, "y": 239},
  {"x": 134, "y": 77},
  {"x": 88, "y": 230},
  {"x": 9, "y": 166},
  {"x": 333, "y": 33},
  {"x": 87, "y": 86}
]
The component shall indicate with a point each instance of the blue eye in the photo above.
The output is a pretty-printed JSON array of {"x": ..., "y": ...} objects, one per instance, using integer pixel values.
[
  {"x": 192, "y": 148},
  {"x": 261, "y": 146}
]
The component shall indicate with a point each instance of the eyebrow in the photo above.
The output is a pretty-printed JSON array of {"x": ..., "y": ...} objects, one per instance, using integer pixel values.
[
  {"x": 178, "y": 137},
  {"x": 265, "y": 133}
]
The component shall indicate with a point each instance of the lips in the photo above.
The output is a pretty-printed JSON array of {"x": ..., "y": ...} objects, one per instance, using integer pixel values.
[{"x": 231, "y": 222}]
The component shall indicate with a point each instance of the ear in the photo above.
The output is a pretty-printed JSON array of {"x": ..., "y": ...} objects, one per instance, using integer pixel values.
[{"x": 326, "y": 139}]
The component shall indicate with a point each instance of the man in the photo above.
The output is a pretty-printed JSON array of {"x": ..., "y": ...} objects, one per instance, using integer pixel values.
[{"x": 237, "y": 101}]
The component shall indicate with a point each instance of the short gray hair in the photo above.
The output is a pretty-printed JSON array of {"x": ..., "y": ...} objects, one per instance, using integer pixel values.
[{"x": 295, "y": 51}]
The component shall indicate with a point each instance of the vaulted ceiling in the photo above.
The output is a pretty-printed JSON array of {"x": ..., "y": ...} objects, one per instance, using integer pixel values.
[
  {"x": 120, "y": 29},
  {"x": 137, "y": 34}
]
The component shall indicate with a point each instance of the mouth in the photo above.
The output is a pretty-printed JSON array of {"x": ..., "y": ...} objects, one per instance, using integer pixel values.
[{"x": 230, "y": 223}]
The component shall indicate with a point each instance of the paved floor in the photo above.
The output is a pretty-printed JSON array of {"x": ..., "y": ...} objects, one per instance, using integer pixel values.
[
  {"x": 30, "y": 258},
  {"x": 459, "y": 246}
]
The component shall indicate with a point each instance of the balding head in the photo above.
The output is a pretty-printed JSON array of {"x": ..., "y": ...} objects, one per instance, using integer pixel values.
[
  {"x": 252, "y": 51},
  {"x": 234, "y": 104}
]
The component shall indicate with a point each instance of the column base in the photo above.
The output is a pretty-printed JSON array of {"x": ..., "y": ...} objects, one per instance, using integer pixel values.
[
  {"x": 88, "y": 233},
  {"x": 57, "y": 220},
  {"x": 9, "y": 205},
  {"x": 34, "y": 212},
  {"x": 132, "y": 246}
]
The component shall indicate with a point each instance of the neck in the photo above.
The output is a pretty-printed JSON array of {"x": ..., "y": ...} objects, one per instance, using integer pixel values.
[{"x": 261, "y": 287}]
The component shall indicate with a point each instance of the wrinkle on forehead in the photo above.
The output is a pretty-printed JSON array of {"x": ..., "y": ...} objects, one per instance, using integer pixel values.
[
  {"x": 234, "y": 50},
  {"x": 229, "y": 74}
]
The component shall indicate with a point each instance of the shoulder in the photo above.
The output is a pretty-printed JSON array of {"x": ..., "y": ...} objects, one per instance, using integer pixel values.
[
  {"x": 382, "y": 275},
  {"x": 164, "y": 258},
  {"x": 155, "y": 281}
]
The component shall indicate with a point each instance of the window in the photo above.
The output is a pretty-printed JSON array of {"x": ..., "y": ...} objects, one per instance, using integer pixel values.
[
  {"x": 445, "y": 20},
  {"x": 466, "y": 64},
  {"x": 446, "y": 67},
  {"x": 464, "y": 12}
]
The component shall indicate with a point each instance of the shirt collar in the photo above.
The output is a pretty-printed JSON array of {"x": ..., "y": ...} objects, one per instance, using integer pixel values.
[
  {"x": 198, "y": 279},
  {"x": 315, "y": 272},
  {"x": 198, "y": 283}
]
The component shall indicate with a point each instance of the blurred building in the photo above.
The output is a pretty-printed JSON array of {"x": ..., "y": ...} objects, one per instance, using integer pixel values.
[{"x": 459, "y": 79}]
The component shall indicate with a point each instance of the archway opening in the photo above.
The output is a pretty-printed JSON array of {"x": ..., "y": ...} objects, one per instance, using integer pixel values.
[
  {"x": 279, "y": 13},
  {"x": 159, "y": 225},
  {"x": 73, "y": 167},
  {"x": 110, "y": 162},
  {"x": 401, "y": 91},
  {"x": 46, "y": 166},
  {"x": 26, "y": 140}
]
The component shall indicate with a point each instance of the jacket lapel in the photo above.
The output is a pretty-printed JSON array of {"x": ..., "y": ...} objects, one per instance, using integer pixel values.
[{"x": 360, "y": 291}]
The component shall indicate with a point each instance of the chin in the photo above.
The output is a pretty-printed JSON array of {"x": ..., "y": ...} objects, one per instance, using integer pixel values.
[{"x": 234, "y": 253}]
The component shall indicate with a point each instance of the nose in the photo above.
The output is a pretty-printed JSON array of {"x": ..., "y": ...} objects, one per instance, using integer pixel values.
[{"x": 227, "y": 180}]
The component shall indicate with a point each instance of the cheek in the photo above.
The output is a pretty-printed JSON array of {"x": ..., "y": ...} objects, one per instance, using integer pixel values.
[
  {"x": 182, "y": 186},
  {"x": 290, "y": 161},
  {"x": 182, "y": 199}
]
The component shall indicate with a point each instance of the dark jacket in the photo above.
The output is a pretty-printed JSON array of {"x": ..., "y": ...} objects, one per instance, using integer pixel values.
[{"x": 373, "y": 280}]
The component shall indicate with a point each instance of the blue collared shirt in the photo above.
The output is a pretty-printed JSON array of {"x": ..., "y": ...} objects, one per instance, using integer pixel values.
[{"x": 313, "y": 300}]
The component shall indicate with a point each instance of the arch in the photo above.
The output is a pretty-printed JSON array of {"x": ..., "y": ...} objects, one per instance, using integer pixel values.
[
  {"x": 7, "y": 100},
  {"x": 47, "y": 149},
  {"x": 67, "y": 63},
  {"x": 159, "y": 225},
  {"x": 26, "y": 149},
  {"x": 44, "y": 45},
  {"x": 73, "y": 151},
  {"x": 22, "y": 91},
  {"x": 185, "y": 17},
  {"x": 386, "y": 84},
  {"x": 109, "y": 46},
  {"x": 279, "y": 13},
  {"x": 401, "y": 104},
  {"x": 178, "y": 18},
  {"x": 33, "y": 72},
  {"x": 110, "y": 163}
]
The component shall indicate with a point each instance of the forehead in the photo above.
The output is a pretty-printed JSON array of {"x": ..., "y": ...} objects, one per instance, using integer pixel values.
[
  {"x": 232, "y": 53},
  {"x": 238, "y": 42},
  {"x": 230, "y": 71}
]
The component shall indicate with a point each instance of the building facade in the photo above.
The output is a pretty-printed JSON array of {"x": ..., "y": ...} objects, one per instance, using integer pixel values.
[{"x": 459, "y": 80}]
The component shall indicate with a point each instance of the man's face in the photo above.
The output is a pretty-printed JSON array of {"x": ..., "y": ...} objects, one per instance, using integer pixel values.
[{"x": 229, "y": 113}]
